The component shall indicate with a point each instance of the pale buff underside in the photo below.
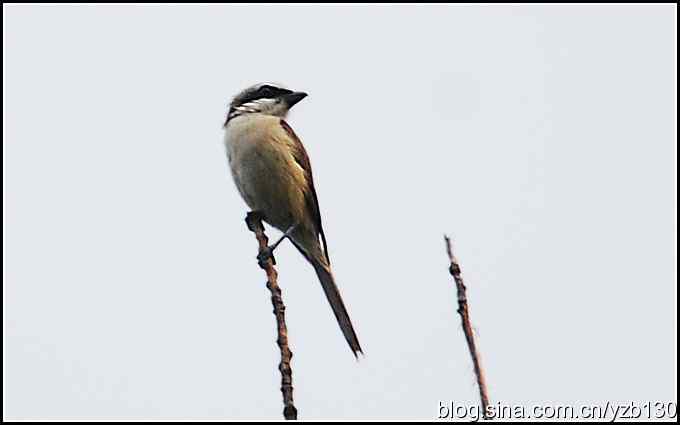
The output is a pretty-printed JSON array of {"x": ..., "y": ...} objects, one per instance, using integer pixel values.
[{"x": 264, "y": 170}]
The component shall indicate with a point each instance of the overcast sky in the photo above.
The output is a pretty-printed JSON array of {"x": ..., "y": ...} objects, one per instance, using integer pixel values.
[{"x": 541, "y": 138}]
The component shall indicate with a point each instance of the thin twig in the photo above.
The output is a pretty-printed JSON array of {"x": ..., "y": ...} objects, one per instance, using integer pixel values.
[
  {"x": 463, "y": 310},
  {"x": 254, "y": 223}
]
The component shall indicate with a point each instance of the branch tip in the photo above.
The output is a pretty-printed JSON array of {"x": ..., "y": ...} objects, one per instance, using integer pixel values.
[{"x": 463, "y": 311}]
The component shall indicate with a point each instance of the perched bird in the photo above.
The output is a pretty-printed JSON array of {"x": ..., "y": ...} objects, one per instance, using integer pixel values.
[{"x": 272, "y": 172}]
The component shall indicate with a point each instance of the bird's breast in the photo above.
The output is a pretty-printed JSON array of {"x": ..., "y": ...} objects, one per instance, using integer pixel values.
[{"x": 264, "y": 169}]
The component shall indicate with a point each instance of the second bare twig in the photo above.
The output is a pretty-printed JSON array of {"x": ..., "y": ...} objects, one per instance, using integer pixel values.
[{"x": 463, "y": 310}]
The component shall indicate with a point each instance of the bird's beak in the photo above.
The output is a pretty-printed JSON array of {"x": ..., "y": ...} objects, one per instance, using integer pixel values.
[{"x": 293, "y": 98}]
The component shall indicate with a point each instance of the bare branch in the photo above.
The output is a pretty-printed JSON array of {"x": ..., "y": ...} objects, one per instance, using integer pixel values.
[
  {"x": 254, "y": 222},
  {"x": 463, "y": 310}
]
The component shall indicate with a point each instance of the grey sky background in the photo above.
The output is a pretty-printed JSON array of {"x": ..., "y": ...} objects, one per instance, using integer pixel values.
[{"x": 541, "y": 138}]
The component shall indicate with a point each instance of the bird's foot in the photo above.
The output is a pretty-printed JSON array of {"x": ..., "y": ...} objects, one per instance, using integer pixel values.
[
  {"x": 268, "y": 252},
  {"x": 252, "y": 217},
  {"x": 264, "y": 255}
]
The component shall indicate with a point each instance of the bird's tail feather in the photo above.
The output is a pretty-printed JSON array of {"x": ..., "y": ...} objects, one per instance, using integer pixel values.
[{"x": 323, "y": 271}]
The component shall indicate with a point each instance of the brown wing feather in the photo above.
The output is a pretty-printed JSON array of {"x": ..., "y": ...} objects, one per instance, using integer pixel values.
[{"x": 301, "y": 157}]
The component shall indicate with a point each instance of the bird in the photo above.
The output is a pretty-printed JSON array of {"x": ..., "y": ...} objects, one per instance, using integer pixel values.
[{"x": 273, "y": 174}]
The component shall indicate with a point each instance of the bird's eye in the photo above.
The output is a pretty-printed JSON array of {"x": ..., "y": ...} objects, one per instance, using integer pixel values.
[{"x": 265, "y": 90}]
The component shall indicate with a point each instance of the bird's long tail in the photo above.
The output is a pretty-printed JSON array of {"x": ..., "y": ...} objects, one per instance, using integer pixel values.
[{"x": 323, "y": 271}]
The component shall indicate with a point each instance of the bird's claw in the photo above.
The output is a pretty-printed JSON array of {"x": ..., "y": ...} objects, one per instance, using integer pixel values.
[
  {"x": 264, "y": 255},
  {"x": 268, "y": 252},
  {"x": 252, "y": 217}
]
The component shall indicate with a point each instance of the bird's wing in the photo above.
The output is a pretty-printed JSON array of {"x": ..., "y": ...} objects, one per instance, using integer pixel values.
[{"x": 312, "y": 202}]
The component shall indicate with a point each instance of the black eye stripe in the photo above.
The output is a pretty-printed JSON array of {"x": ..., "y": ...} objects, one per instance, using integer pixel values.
[
  {"x": 271, "y": 91},
  {"x": 265, "y": 91}
]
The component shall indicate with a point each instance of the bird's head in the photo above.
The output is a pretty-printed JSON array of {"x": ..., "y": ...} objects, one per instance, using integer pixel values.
[{"x": 264, "y": 98}]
